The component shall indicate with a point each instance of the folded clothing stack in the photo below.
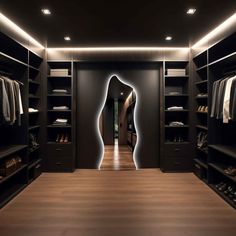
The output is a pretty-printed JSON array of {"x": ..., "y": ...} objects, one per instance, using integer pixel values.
[
  {"x": 60, "y": 91},
  {"x": 174, "y": 93},
  {"x": 32, "y": 110},
  {"x": 175, "y": 108},
  {"x": 60, "y": 108},
  {"x": 202, "y": 95},
  {"x": 176, "y": 123},
  {"x": 176, "y": 72},
  {"x": 60, "y": 122},
  {"x": 59, "y": 72}
]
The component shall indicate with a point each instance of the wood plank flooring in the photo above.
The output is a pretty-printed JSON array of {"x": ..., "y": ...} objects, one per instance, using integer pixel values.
[
  {"x": 117, "y": 158},
  {"x": 127, "y": 203}
]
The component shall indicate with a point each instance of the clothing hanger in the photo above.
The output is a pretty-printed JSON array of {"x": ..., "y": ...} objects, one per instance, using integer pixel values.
[
  {"x": 9, "y": 74},
  {"x": 19, "y": 82}
]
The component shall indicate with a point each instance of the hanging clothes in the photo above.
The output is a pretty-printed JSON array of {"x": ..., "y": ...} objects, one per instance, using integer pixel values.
[
  {"x": 223, "y": 104},
  {"x": 11, "y": 107}
]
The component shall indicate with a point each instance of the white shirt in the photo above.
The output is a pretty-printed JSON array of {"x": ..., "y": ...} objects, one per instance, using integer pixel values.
[{"x": 226, "y": 102}]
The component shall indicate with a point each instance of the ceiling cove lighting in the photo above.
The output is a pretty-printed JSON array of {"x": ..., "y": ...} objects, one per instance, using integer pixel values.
[
  {"x": 191, "y": 11},
  {"x": 20, "y": 31},
  {"x": 67, "y": 38},
  {"x": 231, "y": 21},
  {"x": 168, "y": 38},
  {"x": 46, "y": 11},
  {"x": 118, "y": 49}
]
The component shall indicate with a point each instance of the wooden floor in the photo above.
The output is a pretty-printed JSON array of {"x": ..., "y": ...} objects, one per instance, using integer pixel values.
[
  {"x": 117, "y": 158},
  {"x": 117, "y": 203}
]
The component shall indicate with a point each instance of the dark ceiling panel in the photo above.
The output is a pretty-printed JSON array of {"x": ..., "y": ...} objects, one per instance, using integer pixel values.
[{"x": 118, "y": 23}]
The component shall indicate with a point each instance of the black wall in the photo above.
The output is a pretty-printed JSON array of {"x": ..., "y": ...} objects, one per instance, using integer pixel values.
[{"x": 92, "y": 81}]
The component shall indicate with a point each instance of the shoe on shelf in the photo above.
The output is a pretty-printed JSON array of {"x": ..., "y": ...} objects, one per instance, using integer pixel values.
[
  {"x": 58, "y": 138},
  {"x": 66, "y": 140},
  {"x": 62, "y": 138},
  {"x": 219, "y": 185},
  {"x": 223, "y": 187},
  {"x": 230, "y": 171},
  {"x": 229, "y": 190}
]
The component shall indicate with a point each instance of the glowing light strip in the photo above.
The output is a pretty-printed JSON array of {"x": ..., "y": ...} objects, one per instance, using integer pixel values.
[
  {"x": 228, "y": 23},
  {"x": 20, "y": 31},
  {"x": 135, "y": 123},
  {"x": 117, "y": 49}
]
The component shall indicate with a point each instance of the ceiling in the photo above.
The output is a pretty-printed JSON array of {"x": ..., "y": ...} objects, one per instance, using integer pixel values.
[
  {"x": 115, "y": 89},
  {"x": 118, "y": 23}
]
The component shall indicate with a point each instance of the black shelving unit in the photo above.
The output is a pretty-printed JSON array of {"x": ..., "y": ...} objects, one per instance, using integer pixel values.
[
  {"x": 22, "y": 65},
  {"x": 210, "y": 164},
  {"x": 175, "y": 140},
  {"x": 60, "y": 140},
  {"x": 35, "y": 118},
  {"x": 200, "y": 67}
]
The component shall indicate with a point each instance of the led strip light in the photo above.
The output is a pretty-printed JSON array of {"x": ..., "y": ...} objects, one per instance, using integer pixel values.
[
  {"x": 231, "y": 21},
  {"x": 20, "y": 31}
]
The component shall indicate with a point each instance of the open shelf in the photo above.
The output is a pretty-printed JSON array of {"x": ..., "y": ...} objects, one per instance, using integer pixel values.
[
  {"x": 202, "y": 127},
  {"x": 10, "y": 193},
  {"x": 220, "y": 169},
  {"x": 201, "y": 163},
  {"x": 59, "y": 95},
  {"x": 203, "y": 82},
  {"x": 34, "y": 82},
  {"x": 225, "y": 149},
  {"x": 34, "y": 127},
  {"x": 177, "y": 95},
  {"x": 176, "y": 127},
  {"x": 34, "y": 163},
  {"x": 12, "y": 174},
  {"x": 9, "y": 150},
  {"x": 222, "y": 195},
  {"x": 11, "y": 61},
  {"x": 184, "y": 110}
]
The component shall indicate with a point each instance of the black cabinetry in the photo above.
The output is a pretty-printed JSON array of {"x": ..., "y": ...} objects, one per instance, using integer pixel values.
[
  {"x": 215, "y": 162},
  {"x": 175, "y": 117},
  {"x": 24, "y": 66},
  {"x": 60, "y": 120}
]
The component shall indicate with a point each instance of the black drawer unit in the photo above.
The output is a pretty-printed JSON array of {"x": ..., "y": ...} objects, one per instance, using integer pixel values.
[
  {"x": 177, "y": 149},
  {"x": 59, "y": 150},
  {"x": 60, "y": 158},
  {"x": 177, "y": 158},
  {"x": 176, "y": 164}
]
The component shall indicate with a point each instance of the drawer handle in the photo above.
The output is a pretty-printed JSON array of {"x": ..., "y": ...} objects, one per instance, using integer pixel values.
[
  {"x": 38, "y": 166},
  {"x": 58, "y": 163},
  {"x": 177, "y": 163},
  {"x": 58, "y": 149},
  {"x": 177, "y": 149}
]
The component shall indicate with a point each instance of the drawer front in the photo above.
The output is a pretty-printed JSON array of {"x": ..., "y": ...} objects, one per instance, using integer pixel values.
[
  {"x": 178, "y": 163},
  {"x": 177, "y": 150},
  {"x": 59, "y": 150},
  {"x": 59, "y": 164}
]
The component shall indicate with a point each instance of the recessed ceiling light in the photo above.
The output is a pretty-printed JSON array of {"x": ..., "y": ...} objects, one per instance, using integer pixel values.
[
  {"x": 168, "y": 38},
  {"x": 46, "y": 11},
  {"x": 121, "y": 93},
  {"x": 191, "y": 11},
  {"x": 67, "y": 38}
]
